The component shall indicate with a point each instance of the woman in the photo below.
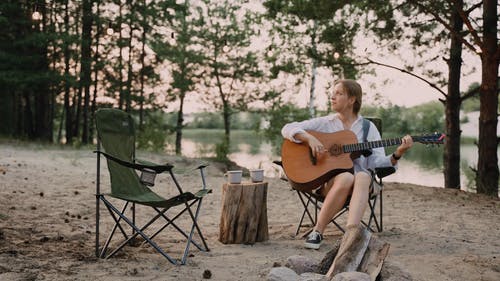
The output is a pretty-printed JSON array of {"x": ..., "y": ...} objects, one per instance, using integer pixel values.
[{"x": 346, "y": 102}]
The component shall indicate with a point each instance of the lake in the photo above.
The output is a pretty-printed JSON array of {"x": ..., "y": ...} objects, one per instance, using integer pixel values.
[{"x": 422, "y": 164}]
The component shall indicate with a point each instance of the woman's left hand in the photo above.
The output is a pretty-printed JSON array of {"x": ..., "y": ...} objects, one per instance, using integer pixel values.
[{"x": 406, "y": 143}]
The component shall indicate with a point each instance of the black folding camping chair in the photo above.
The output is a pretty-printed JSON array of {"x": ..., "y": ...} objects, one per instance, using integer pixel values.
[{"x": 312, "y": 200}]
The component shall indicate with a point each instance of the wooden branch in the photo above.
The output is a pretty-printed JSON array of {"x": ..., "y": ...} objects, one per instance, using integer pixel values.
[
  {"x": 432, "y": 85},
  {"x": 351, "y": 252},
  {"x": 475, "y": 6},
  {"x": 467, "y": 22},
  {"x": 470, "y": 93},
  {"x": 359, "y": 251},
  {"x": 374, "y": 257},
  {"x": 445, "y": 24}
]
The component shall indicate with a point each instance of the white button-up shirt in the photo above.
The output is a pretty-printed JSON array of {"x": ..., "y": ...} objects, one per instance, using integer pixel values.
[{"x": 332, "y": 124}]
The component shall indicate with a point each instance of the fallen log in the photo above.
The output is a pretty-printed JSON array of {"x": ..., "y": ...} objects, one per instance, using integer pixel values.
[{"x": 359, "y": 251}]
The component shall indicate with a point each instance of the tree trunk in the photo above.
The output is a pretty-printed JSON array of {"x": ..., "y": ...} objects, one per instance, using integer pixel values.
[
  {"x": 67, "y": 90},
  {"x": 130, "y": 73},
  {"x": 227, "y": 121},
  {"x": 42, "y": 123},
  {"x": 180, "y": 124},
  {"x": 7, "y": 113},
  {"x": 487, "y": 165},
  {"x": 77, "y": 97},
  {"x": 96, "y": 71},
  {"x": 86, "y": 62},
  {"x": 451, "y": 155},
  {"x": 143, "y": 55},
  {"x": 128, "y": 87},
  {"x": 121, "y": 98},
  {"x": 19, "y": 113},
  {"x": 244, "y": 213},
  {"x": 27, "y": 116}
]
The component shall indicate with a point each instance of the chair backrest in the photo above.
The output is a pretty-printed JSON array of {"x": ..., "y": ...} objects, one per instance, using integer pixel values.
[
  {"x": 116, "y": 134},
  {"x": 377, "y": 122}
]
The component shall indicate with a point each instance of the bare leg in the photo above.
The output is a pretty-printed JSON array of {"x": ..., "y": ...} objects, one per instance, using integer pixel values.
[
  {"x": 359, "y": 198},
  {"x": 336, "y": 195}
]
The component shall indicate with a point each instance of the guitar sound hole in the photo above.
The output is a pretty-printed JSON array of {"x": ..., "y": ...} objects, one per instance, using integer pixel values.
[{"x": 335, "y": 150}]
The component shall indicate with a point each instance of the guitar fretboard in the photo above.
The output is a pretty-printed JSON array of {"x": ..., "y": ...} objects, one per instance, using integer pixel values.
[{"x": 347, "y": 148}]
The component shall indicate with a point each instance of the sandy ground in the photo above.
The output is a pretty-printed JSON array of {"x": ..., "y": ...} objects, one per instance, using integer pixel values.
[{"x": 47, "y": 226}]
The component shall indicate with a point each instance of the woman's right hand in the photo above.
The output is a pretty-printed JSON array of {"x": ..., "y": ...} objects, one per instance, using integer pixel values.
[{"x": 316, "y": 146}]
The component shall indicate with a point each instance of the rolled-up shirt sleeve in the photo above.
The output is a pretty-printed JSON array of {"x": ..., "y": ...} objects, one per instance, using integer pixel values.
[{"x": 291, "y": 129}]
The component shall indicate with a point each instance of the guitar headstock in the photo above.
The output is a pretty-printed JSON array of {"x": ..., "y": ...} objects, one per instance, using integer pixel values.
[{"x": 435, "y": 138}]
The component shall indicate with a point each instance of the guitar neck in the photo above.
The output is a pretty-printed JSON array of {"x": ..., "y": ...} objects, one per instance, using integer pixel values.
[{"x": 347, "y": 148}]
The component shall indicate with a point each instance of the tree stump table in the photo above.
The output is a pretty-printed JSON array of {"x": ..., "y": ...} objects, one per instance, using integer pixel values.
[{"x": 244, "y": 213}]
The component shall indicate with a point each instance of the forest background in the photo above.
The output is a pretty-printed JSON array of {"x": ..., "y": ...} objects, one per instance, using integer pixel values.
[{"x": 62, "y": 60}]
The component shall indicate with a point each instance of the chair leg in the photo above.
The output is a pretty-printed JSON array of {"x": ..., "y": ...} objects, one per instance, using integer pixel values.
[
  {"x": 374, "y": 212},
  {"x": 193, "y": 227},
  {"x": 151, "y": 242},
  {"x": 171, "y": 222},
  {"x": 346, "y": 208},
  {"x": 372, "y": 215},
  {"x": 112, "y": 232},
  {"x": 381, "y": 217},
  {"x": 97, "y": 222},
  {"x": 310, "y": 199},
  {"x": 127, "y": 240}
]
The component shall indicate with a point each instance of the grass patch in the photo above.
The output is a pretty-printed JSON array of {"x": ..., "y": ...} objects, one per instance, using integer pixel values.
[{"x": 468, "y": 140}]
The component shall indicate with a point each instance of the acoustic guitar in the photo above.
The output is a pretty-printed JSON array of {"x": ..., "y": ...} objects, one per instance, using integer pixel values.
[{"x": 306, "y": 171}]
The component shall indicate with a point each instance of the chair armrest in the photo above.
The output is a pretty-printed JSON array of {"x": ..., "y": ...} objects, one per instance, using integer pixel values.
[
  {"x": 141, "y": 167},
  {"x": 383, "y": 172},
  {"x": 188, "y": 169},
  {"x": 145, "y": 162}
]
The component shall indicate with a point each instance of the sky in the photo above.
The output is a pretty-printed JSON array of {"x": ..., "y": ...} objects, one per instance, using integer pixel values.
[
  {"x": 389, "y": 86},
  {"x": 400, "y": 88}
]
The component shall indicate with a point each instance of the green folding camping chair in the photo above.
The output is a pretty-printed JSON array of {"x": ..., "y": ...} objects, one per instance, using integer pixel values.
[{"x": 116, "y": 142}]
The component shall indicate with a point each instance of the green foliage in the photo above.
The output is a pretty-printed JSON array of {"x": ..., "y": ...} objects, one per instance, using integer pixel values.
[
  {"x": 470, "y": 176},
  {"x": 231, "y": 65},
  {"x": 206, "y": 120},
  {"x": 154, "y": 131},
  {"x": 471, "y": 104},
  {"x": 428, "y": 157},
  {"x": 26, "y": 79},
  {"x": 332, "y": 25},
  {"x": 428, "y": 117},
  {"x": 420, "y": 119},
  {"x": 246, "y": 121},
  {"x": 222, "y": 150},
  {"x": 278, "y": 116},
  {"x": 213, "y": 120}
]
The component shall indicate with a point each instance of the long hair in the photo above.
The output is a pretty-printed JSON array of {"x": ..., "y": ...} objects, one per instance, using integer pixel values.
[{"x": 353, "y": 90}]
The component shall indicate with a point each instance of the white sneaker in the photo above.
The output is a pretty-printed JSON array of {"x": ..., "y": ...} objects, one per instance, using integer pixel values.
[{"x": 313, "y": 240}]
